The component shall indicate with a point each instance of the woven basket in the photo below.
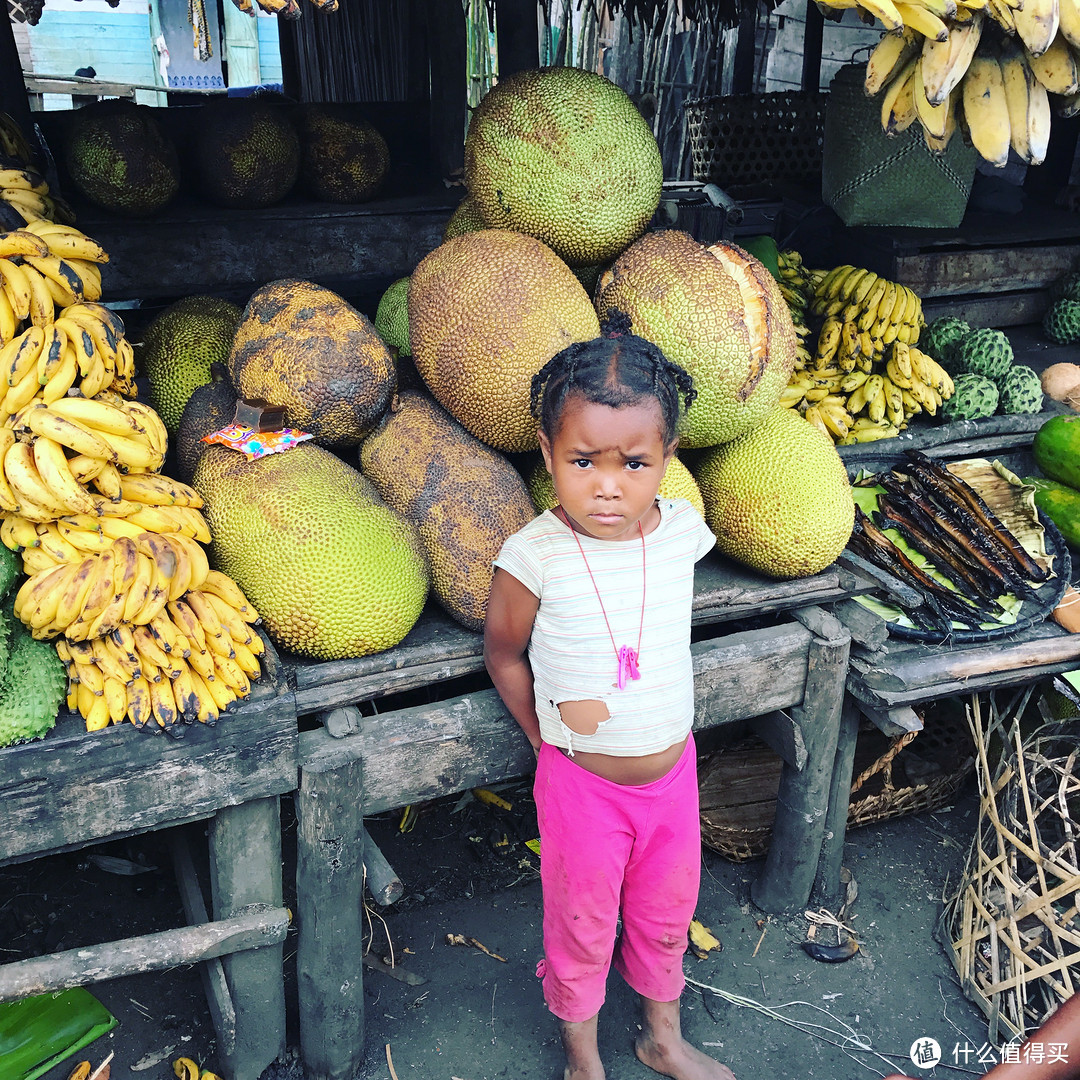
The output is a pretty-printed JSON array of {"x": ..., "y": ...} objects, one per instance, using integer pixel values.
[
  {"x": 871, "y": 179},
  {"x": 749, "y": 139},
  {"x": 738, "y": 786},
  {"x": 1012, "y": 928}
]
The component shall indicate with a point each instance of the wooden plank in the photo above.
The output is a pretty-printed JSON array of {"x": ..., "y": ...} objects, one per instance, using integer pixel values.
[
  {"x": 827, "y": 891},
  {"x": 986, "y": 270},
  {"x": 245, "y": 872},
  {"x": 791, "y": 866},
  {"x": 865, "y": 626},
  {"x": 329, "y": 885},
  {"x": 783, "y": 736},
  {"x": 218, "y": 998},
  {"x": 75, "y": 787},
  {"x": 431, "y": 750},
  {"x": 382, "y": 882},
  {"x": 1004, "y": 309},
  {"x": 254, "y": 929},
  {"x": 342, "y": 722},
  {"x": 891, "y": 722}
]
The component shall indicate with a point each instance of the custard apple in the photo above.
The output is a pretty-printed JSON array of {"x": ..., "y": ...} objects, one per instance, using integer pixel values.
[
  {"x": 1065, "y": 288},
  {"x": 984, "y": 352},
  {"x": 1021, "y": 391},
  {"x": 941, "y": 336},
  {"x": 32, "y": 686},
  {"x": 974, "y": 397},
  {"x": 1062, "y": 322}
]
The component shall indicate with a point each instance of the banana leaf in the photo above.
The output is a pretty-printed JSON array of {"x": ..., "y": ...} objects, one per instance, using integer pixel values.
[{"x": 37, "y": 1033}]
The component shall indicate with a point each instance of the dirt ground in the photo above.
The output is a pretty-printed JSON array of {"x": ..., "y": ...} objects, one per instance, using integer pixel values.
[{"x": 468, "y": 871}]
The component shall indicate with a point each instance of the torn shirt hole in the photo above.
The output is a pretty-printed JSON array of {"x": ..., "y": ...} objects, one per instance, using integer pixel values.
[{"x": 583, "y": 717}]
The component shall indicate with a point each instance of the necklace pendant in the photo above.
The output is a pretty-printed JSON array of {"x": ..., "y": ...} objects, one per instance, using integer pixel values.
[{"x": 628, "y": 666}]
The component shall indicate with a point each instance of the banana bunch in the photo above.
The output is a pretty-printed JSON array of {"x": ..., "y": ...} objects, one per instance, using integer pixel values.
[
  {"x": 994, "y": 71},
  {"x": 797, "y": 284},
  {"x": 50, "y": 453},
  {"x": 862, "y": 313},
  {"x": 861, "y": 405},
  {"x": 24, "y": 194},
  {"x": 287, "y": 9},
  {"x": 13, "y": 142},
  {"x": 43, "y": 267},
  {"x": 191, "y": 661}
]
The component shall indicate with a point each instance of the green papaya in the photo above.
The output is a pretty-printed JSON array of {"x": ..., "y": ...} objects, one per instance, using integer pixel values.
[
  {"x": 1061, "y": 504},
  {"x": 1056, "y": 448}
]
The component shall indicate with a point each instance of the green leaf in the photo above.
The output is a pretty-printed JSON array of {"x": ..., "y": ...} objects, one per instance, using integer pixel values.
[
  {"x": 37, "y": 1033},
  {"x": 764, "y": 249}
]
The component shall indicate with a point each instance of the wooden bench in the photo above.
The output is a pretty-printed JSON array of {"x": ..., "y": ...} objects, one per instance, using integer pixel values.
[
  {"x": 75, "y": 788},
  {"x": 788, "y": 677}
]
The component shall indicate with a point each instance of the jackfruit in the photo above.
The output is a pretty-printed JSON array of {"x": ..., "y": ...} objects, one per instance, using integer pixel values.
[
  {"x": 333, "y": 571},
  {"x": 678, "y": 483},
  {"x": 465, "y": 218},
  {"x": 211, "y": 407},
  {"x": 10, "y": 569},
  {"x": 246, "y": 152},
  {"x": 464, "y": 498},
  {"x": 178, "y": 348},
  {"x": 778, "y": 497},
  {"x": 487, "y": 310},
  {"x": 32, "y": 686},
  {"x": 300, "y": 345},
  {"x": 118, "y": 156},
  {"x": 344, "y": 159},
  {"x": 392, "y": 317},
  {"x": 717, "y": 312},
  {"x": 563, "y": 155}
]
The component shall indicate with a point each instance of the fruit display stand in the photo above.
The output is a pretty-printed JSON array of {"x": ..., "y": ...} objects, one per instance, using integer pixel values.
[
  {"x": 785, "y": 674},
  {"x": 74, "y": 788}
]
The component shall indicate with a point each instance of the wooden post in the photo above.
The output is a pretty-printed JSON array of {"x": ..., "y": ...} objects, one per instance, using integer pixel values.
[
  {"x": 827, "y": 886},
  {"x": 245, "y": 869},
  {"x": 329, "y": 900},
  {"x": 812, "y": 39},
  {"x": 803, "y": 798}
]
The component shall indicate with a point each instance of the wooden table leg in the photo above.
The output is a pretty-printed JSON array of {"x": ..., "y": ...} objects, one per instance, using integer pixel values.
[
  {"x": 329, "y": 900},
  {"x": 803, "y": 799},
  {"x": 245, "y": 868},
  {"x": 827, "y": 889}
]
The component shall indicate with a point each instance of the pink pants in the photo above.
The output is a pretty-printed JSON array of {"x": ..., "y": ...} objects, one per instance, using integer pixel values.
[{"x": 606, "y": 848}]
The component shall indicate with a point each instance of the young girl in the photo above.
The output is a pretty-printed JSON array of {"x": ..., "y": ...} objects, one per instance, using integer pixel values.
[{"x": 587, "y": 640}]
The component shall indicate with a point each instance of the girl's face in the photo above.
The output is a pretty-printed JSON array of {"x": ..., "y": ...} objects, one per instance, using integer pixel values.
[{"x": 607, "y": 465}]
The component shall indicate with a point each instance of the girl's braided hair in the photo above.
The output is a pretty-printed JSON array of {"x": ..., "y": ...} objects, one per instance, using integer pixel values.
[{"x": 616, "y": 369}]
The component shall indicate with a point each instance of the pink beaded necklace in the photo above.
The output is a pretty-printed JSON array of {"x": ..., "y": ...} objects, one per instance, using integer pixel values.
[{"x": 627, "y": 657}]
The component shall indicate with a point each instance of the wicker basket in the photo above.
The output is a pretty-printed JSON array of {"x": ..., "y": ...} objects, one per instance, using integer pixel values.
[
  {"x": 738, "y": 786},
  {"x": 1012, "y": 928},
  {"x": 750, "y": 139}
]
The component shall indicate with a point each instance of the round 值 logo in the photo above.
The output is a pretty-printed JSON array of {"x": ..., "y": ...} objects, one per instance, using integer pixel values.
[{"x": 925, "y": 1052}]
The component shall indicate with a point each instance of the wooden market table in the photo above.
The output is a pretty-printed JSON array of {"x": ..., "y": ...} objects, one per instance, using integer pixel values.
[
  {"x": 764, "y": 651},
  {"x": 75, "y": 788}
]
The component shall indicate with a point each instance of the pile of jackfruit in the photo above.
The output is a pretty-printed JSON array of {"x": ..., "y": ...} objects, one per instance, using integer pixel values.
[{"x": 423, "y": 456}]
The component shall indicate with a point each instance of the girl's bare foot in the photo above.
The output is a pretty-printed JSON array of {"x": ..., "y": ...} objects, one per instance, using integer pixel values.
[
  {"x": 582, "y": 1055},
  {"x": 662, "y": 1047}
]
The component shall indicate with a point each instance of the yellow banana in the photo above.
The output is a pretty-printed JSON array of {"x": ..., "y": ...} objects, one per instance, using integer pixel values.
[
  {"x": 232, "y": 675},
  {"x": 208, "y": 711},
  {"x": 868, "y": 316},
  {"x": 1036, "y": 23},
  {"x": 1056, "y": 68},
  {"x": 27, "y": 483},
  {"x": 52, "y": 467},
  {"x": 21, "y": 242},
  {"x": 186, "y": 621},
  {"x": 132, "y": 453},
  {"x": 155, "y": 489},
  {"x": 139, "y": 711},
  {"x": 1069, "y": 21},
  {"x": 888, "y": 58},
  {"x": 68, "y": 242},
  {"x": 107, "y": 481},
  {"x": 139, "y": 590},
  {"x": 16, "y": 286},
  {"x": 73, "y": 596},
  {"x": 249, "y": 662},
  {"x": 923, "y": 21},
  {"x": 986, "y": 110},
  {"x": 44, "y": 422},
  {"x": 55, "y": 269}
]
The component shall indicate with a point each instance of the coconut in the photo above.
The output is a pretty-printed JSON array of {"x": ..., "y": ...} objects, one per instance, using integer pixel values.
[{"x": 1062, "y": 383}]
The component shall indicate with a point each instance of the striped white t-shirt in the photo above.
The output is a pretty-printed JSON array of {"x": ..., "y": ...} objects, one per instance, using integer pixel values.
[{"x": 571, "y": 651}]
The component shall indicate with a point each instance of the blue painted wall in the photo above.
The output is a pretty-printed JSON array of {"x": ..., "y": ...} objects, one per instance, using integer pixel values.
[{"x": 115, "y": 44}]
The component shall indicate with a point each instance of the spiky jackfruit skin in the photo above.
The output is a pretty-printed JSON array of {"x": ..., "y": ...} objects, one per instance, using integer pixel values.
[
  {"x": 974, "y": 397},
  {"x": 32, "y": 687},
  {"x": 778, "y": 497},
  {"x": 487, "y": 310},
  {"x": 392, "y": 317},
  {"x": 332, "y": 569},
  {"x": 740, "y": 347},
  {"x": 118, "y": 156},
  {"x": 179, "y": 347},
  {"x": 247, "y": 152},
  {"x": 344, "y": 159},
  {"x": 465, "y": 218},
  {"x": 211, "y": 407},
  {"x": 464, "y": 498},
  {"x": 941, "y": 337},
  {"x": 984, "y": 352},
  {"x": 1021, "y": 391},
  {"x": 302, "y": 346},
  {"x": 678, "y": 483},
  {"x": 562, "y": 154},
  {"x": 1062, "y": 321}
]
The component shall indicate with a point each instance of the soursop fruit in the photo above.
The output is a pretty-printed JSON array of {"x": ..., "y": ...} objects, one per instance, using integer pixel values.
[
  {"x": 1021, "y": 391},
  {"x": 1062, "y": 321},
  {"x": 32, "y": 687},
  {"x": 941, "y": 336},
  {"x": 10, "y": 570},
  {"x": 974, "y": 397},
  {"x": 984, "y": 352},
  {"x": 1065, "y": 288}
]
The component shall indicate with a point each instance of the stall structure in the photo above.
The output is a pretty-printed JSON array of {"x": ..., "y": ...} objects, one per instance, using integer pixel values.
[{"x": 76, "y": 789}]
